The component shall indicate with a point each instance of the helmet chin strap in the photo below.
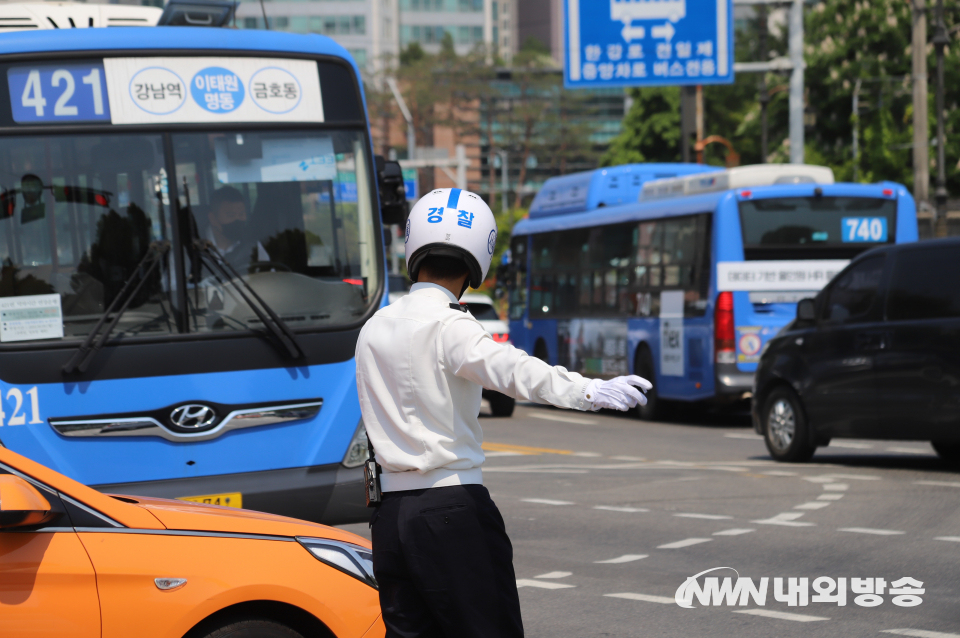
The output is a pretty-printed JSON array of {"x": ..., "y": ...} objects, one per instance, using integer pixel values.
[{"x": 466, "y": 284}]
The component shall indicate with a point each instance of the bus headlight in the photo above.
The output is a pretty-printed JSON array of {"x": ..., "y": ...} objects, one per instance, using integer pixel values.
[
  {"x": 357, "y": 451},
  {"x": 346, "y": 557}
]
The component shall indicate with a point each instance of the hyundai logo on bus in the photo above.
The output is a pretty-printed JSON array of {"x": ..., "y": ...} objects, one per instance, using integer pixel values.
[{"x": 193, "y": 416}]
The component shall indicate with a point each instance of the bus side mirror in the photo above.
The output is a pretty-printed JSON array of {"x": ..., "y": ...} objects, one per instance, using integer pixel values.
[
  {"x": 393, "y": 193},
  {"x": 21, "y": 505},
  {"x": 806, "y": 310}
]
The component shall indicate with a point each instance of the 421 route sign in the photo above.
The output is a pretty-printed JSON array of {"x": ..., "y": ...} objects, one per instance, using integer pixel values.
[{"x": 612, "y": 43}]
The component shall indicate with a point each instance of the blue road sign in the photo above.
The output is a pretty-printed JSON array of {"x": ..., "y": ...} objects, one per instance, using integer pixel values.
[{"x": 612, "y": 43}]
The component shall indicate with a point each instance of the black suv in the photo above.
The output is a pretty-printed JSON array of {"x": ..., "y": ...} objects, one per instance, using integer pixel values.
[{"x": 875, "y": 355}]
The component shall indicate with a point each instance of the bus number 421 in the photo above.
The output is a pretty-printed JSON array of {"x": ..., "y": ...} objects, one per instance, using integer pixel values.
[
  {"x": 19, "y": 415},
  {"x": 33, "y": 92}
]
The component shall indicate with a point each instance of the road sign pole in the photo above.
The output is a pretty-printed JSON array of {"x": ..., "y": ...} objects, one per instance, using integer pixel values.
[{"x": 796, "y": 82}]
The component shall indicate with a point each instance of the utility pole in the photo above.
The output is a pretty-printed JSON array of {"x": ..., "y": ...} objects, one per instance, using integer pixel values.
[
  {"x": 921, "y": 152},
  {"x": 856, "y": 129},
  {"x": 764, "y": 95},
  {"x": 411, "y": 133},
  {"x": 688, "y": 117},
  {"x": 796, "y": 82},
  {"x": 940, "y": 41},
  {"x": 699, "y": 114}
]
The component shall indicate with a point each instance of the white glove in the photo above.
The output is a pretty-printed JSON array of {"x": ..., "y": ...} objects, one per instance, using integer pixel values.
[{"x": 618, "y": 393}]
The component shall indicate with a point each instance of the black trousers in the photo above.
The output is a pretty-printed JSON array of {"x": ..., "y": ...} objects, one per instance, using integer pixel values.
[{"x": 444, "y": 565}]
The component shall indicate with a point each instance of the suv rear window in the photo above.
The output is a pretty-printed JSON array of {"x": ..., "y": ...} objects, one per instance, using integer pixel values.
[{"x": 925, "y": 284}]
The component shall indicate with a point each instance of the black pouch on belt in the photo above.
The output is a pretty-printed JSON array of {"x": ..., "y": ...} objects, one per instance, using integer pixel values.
[{"x": 371, "y": 479}]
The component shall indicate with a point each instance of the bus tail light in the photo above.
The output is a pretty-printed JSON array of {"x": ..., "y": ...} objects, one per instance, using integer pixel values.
[{"x": 723, "y": 337}]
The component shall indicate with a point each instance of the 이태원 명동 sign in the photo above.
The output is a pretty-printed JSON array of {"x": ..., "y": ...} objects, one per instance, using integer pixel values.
[{"x": 647, "y": 42}]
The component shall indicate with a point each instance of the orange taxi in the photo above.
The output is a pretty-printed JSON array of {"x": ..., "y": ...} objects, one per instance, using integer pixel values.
[{"x": 75, "y": 562}]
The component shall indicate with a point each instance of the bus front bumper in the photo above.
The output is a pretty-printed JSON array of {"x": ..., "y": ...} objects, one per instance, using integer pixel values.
[{"x": 329, "y": 494}]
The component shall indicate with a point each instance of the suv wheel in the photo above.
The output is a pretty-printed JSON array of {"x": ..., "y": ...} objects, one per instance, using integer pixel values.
[
  {"x": 253, "y": 629},
  {"x": 948, "y": 452},
  {"x": 785, "y": 428}
]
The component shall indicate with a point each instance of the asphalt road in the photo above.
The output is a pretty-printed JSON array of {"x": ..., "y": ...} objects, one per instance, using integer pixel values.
[{"x": 609, "y": 516}]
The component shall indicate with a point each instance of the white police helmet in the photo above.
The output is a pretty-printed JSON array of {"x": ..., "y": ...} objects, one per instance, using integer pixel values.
[{"x": 451, "y": 222}]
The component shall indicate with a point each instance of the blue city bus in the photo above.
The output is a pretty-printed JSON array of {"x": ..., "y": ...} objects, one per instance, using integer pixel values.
[
  {"x": 686, "y": 283},
  {"x": 190, "y": 241}
]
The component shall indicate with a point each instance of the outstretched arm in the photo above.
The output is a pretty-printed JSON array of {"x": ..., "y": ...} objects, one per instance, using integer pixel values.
[{"x": 472, "y": 354}]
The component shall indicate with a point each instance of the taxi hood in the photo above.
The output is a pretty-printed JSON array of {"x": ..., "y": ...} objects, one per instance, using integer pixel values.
[{"x": 183, "y": 515}]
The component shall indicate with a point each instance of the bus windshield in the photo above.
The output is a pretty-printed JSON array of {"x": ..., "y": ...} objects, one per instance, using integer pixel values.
[
  {"x": 799, "y": 226},
  {"x": 290, "y": 210}
]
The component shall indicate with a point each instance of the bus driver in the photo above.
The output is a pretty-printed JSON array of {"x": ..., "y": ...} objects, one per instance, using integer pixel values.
[{"x": 441, "y": 555}]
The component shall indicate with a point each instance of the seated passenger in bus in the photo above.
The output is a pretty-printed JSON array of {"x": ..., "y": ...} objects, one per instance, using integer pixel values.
[{"x": 227, "y": 230}]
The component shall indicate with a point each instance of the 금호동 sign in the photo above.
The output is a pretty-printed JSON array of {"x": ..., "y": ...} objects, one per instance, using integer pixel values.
[{"x": 611, "y": 43}]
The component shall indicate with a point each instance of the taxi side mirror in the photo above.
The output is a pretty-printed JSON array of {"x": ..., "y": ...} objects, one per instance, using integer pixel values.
[
  {"x": 393, "y": 192},
  {"x": 21, "y": 504},
  {"x": 806, "y": 310}
]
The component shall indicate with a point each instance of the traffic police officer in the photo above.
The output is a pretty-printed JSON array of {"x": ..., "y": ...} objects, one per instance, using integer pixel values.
[{"x": 441, "y": 555}]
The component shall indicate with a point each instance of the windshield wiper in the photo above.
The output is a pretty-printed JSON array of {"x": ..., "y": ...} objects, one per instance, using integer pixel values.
[
  {"x": 84, "y": 355},
  {"x": 277, "y": 326}
]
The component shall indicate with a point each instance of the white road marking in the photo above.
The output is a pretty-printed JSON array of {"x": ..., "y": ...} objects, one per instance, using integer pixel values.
[
  {"x": 494, "y": 454},
  {"x": 588, "y": 454},
  {"x": 542, "y": 584},
  {"x": 734, "y": 532},
  {"x": 709, "y": 517},
  {"x": 626, "y": 558},
  {"x": 812, "y": 505},
  {"x": 955, "y": 539},
  {"x": 560, "y": 417},
  {"x": 919, "y": 633},
  {"x": 836, "y": 487},
  {"x": 908, "y": 450},
  {"x": 644, "y": 597},
  {"x": 778, "y": 473},
  {"x": 937, "y": 483},
  {"x": 687, "y": 542},
  {"x": 819, "y": 479},
  {"x": 535, "y": 470},
  {"x": 851, "y": 445},
  {"x": 628, "y": 458},
  {"x": 854, "y": 477},
  {"x": 787, "y": 519},
  {"x": 750, "y": 437},
  {"x": 830, "y": 497},
  {"x": 867, "y": 530},
  {"x": 780, "y": 615},
  {"x": 555, "y": 575},
  {"x": 617, "y": 508},
  {"x": 546, "y": 501}
]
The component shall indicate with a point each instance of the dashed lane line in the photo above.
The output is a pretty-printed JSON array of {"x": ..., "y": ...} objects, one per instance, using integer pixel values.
[
  {"x": 546, "y": 501},
  {"x": 850, "y": 445},
  {"x": 938, "y": 483},
  {"x": 868, "y": 530},
  {"x": 628, "y": 458},
  {"x": 748, "y": 437},
  {"x": 820, "y": 479},
  {"x": 812, "y": 505},
  {"x": 780, "y": 615},
  {"x": 542, "y": 584},
  {"x": 587, "y": 454},
  {"x": 955, "y": 539},
  {"x": 786, "y": 519},
  {"x": 626, "y": 558},
  {"x": 534, "y": 470},
  {"x": 836, "y": 487},
  {"x": 663, "y": 600},
  {"x": 830, "y": 497},
  {"x": 617, "y": 508},
  {"x": 709, "y": 517},
  {"x": 561, "y": 417},
  {"x": 687, "y": 542},
  {"x": 555, "y": 575},
  {"x": 778, "y": 473},
  {"x": 909, "y": 450},
  {"x": 854, "y": 477},
  {"x": 734, "y": 532},
  {"x": 920, "y": 633}
]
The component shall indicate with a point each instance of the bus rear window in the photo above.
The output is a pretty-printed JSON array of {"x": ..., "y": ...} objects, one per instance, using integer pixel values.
[{"x": 824, "y": 226}]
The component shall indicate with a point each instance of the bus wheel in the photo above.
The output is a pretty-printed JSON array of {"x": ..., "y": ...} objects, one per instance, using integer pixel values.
[
  {"x": 501, "y": 404},
  {"x": 653, "y": 410},
  {"x": 785, "y": 429}
]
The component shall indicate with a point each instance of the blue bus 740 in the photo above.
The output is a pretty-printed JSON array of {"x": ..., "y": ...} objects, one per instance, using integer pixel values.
[
  {"x": 685, "y": 284},
  {"x": 190, "y": 240}
]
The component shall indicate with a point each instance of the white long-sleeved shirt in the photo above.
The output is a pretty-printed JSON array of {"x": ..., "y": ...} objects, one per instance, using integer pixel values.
[{"x": 421, "y": 367}]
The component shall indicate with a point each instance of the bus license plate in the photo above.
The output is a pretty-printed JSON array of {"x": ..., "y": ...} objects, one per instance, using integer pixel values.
[{"x": 231, "y": 499}]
